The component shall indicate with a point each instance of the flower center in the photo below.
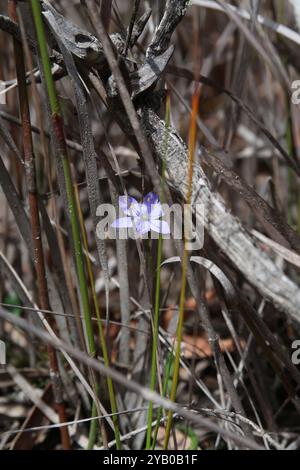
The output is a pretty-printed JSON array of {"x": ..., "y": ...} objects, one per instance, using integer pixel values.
[{"x": 145, "y": 217}]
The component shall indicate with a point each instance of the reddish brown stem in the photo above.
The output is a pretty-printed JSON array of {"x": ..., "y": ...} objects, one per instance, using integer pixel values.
[{"x": 30, "y": 172}]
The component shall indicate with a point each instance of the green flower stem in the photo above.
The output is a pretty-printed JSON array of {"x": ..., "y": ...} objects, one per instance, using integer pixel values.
[
  {"x": 167, "y": 375},
  {"x": 110, "y": 386},
  {"x": 157, "y": 294},
  {"x": 185, "y": 258}
]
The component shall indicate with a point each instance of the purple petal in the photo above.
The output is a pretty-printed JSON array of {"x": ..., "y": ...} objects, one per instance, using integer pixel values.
[
  {"x": 150, "y": 200},
  {"x": 143, "y": 226},
  {"x": 123, "y": 222},
  {"x": 160, "y": 226},
  {"x": 144, "y": 211},
  {"x": 129, "y": 205},
  {"x": 156, "y": 211}
]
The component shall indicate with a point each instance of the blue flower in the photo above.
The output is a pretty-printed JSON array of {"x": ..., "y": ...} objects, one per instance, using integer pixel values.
[{"x": 144, "y": 216}]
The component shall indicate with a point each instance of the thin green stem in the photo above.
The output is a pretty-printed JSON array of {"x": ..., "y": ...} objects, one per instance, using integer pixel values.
[
  {"x": 110, "y": 386},
  {"x": 93, "y": 429},
  {"x": 157, "y": 293},
  {"x": 289, "y": 141},
  {"x": 40, "y": 32},
  {"x": 185, "y": 257},
  {"x": 178, "y": 347},
  {"x": 292, "y": 197},
  {"x": 155, "y": 340},
  {"x": 167, "y": 375},
  {"x": 78, "y": 254}
]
